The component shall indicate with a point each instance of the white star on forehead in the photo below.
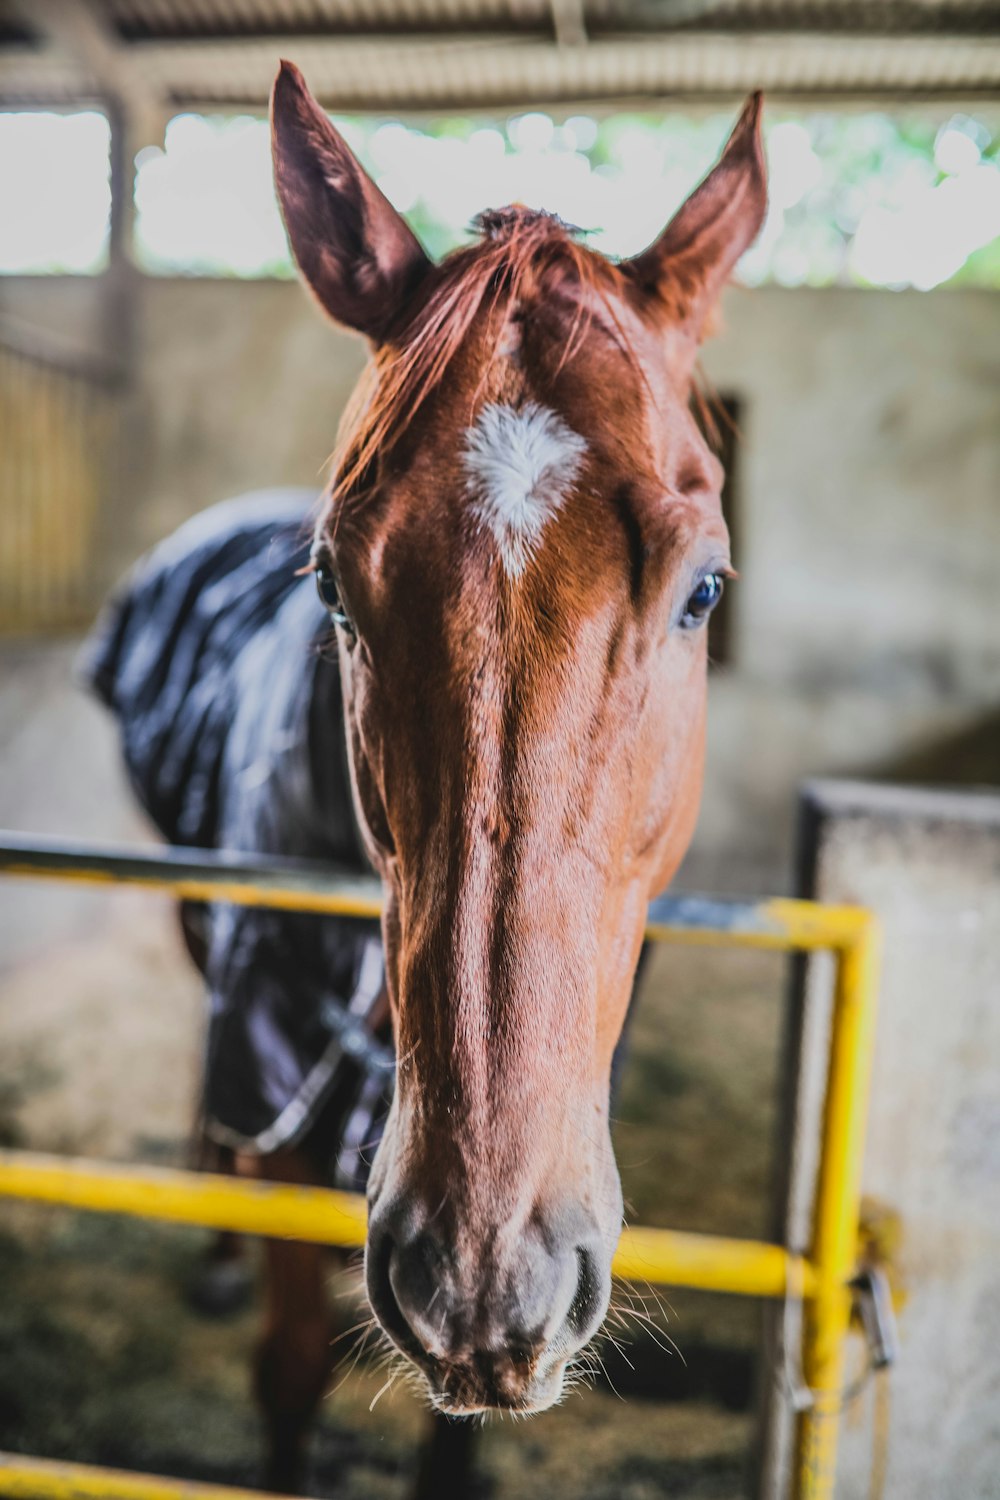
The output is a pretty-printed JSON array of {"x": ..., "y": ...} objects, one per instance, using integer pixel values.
[{"x": 521, "y": 463}]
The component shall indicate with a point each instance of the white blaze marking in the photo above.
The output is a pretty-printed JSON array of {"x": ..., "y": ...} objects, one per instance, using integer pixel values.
[{"x": 521, "y": 463}]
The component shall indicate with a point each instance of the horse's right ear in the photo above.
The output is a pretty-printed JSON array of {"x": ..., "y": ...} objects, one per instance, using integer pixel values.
[{"x": 356, "y": 253}]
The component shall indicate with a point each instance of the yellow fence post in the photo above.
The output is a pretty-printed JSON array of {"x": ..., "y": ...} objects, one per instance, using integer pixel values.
[
  {"x": 837, "y": 1209},
  {"x": 747, "y": 1267}
]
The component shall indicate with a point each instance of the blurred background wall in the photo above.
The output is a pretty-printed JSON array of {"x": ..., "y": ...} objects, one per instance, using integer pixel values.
[{"x": 862, "y": 636}]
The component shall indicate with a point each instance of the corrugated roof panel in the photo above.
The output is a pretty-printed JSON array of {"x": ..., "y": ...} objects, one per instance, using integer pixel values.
[
  {"x": 396, "y": 55},
  {"x": 150, "y": 19},
  {"x": 426, "y": 74}
]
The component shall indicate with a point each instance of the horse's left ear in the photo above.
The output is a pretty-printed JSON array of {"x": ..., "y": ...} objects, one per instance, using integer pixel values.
[
  {"x": 356, "y": 253},
  {"x": 687, "y": 267}
]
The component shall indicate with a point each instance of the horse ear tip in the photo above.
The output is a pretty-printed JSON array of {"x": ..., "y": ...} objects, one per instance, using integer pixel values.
[
  {"x": 755, "y": 114},
  {"x": 746, "y": 144},
  {"x": 288, "y": 77},
  {"x": 748, "y": 124}
]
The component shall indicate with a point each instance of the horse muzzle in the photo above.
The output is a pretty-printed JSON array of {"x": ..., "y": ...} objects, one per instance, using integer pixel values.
[{"x": 493, "y": 1323}]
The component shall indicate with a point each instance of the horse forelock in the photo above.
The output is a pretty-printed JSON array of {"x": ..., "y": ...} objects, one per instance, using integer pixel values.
[{"x": 519, "y": 251}]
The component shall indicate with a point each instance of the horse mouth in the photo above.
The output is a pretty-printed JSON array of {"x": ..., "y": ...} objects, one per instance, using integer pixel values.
[
  {"x": 472, "y": 1385},
  {"x": 467, "y": 1390},
  {"x": 483, "y": 1386}
]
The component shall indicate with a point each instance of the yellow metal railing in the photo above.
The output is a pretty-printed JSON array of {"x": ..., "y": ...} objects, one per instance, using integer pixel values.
[
  {"x": 708, "y": 1262},
  {"x": 42, "y": 1479}
]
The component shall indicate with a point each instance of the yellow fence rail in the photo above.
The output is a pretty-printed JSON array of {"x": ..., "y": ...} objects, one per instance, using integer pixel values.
[
  {"x": 42, "y": 1479},
  {"x": 708, "y": 1262}
]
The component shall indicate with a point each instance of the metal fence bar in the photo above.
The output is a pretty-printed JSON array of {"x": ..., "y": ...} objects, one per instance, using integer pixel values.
[
  {"x": 703, "y": 1261},
  {"x": 44, "y": 1479},
  {"x": 751, "y": 1268},
  {"x": 197, "y": 875},
  {"x": 302, "y": 885}
]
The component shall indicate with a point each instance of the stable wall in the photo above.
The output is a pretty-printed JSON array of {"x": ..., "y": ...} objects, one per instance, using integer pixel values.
[
  {"x": 867, "y": 533},
  {"x": 927, "y": 863}
]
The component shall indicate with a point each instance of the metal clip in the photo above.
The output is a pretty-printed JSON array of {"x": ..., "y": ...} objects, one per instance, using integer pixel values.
[{"x": 874, "y": 1303}]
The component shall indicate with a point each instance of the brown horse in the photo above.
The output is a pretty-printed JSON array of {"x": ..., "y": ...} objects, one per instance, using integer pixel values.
[
  {"x": 521, "y": 546},
  {"x": 519, "y": 551}
]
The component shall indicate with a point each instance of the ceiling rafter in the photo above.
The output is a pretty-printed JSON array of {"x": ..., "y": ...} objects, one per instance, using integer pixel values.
[
  {"x": 438, "y": 54},
  {"x": 83, "y": 33}
]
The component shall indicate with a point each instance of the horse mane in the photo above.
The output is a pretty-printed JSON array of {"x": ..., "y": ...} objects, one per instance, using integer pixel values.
[{"x": 516, "y": 249}]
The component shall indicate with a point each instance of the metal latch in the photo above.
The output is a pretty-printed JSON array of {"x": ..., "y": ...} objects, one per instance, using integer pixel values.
[{"x": 873, "y": 1299}]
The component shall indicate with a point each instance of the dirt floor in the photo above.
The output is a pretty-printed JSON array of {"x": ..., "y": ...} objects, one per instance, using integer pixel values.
[{"x": 103, "y": 1360}]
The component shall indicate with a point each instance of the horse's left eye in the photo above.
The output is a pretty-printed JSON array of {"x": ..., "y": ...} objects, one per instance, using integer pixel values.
[
  {"x": 326, "y": 587},
  {"x": 704, "y": 599}
]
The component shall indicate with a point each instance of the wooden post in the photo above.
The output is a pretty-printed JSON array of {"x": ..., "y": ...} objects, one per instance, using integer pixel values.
[{"x": 120, "y": 331}]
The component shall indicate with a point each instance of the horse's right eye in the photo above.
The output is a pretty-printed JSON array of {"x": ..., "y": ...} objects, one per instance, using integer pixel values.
[
  {"x": 329, "y": 593},
  {"x": 704, "y": 599}
]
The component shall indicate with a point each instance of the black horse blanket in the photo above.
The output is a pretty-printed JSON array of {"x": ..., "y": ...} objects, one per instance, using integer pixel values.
[{"x": 217, "y": 659}]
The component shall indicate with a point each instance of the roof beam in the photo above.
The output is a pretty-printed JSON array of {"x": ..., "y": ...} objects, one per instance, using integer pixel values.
[
  {"x": 492, "y": 72},
  {"x": 425, "y": 73},
  {"x": 78, "y": 30},
  {"x": 569, "y": 21}
]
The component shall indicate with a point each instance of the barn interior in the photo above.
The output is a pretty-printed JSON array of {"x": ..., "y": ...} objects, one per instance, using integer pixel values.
[{"x": 158, "y": 355}]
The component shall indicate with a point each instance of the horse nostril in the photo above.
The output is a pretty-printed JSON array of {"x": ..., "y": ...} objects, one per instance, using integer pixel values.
[
  {"x": 382, "y": 1294},
  {"x": 588, "y": 1307},
  {"x": 408, "y": 1287}
]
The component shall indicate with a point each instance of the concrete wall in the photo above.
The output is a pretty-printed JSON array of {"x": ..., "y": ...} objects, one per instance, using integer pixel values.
[
  {"x": 928, "y": 863},
  {"x": 868, "y": 529},
  {"x": 867, "y": 620}
]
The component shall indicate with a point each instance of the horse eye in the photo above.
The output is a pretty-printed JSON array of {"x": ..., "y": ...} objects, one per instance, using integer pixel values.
[
  {"x": 326, "y": 587},
  {"x": 704, "y": 599}
]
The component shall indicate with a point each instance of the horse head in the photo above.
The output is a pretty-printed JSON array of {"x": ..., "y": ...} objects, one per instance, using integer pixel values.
[{"x": 520, "y": 548}]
